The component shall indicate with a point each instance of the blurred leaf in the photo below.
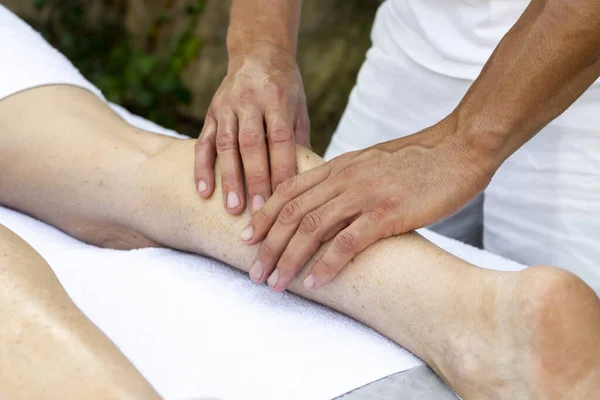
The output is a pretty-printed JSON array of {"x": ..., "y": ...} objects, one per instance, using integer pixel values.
[
  {"x": 143, "y": 80},
  {"x": 39, "y": 4}
]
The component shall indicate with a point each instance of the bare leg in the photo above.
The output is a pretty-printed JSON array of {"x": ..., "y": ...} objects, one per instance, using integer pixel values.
[
  {"x": 531, "y": 334},
  {"x": 50, "y": 350},
  {"x": 488, "y": 334}
]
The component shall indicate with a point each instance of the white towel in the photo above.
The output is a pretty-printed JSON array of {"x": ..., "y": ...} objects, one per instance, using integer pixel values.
[{"x": 195, "y": 327}]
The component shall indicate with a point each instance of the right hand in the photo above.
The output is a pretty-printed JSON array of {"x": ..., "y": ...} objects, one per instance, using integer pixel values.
[{"x": 263, "y": 90}]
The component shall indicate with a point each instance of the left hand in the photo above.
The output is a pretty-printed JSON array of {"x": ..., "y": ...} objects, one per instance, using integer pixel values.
[{"x": 358, "y": 198}]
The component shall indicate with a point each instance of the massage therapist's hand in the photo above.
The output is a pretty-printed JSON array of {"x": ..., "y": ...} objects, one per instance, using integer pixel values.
[
  {"x": 356, "y": 199},
  {"x": 255, "y": 120}
]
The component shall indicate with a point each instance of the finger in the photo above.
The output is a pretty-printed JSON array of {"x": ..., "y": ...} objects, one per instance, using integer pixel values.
[
  {"x": 262, "y": 221},
  {"x": 302, "y": 129},
  {"x": 205, "y": 153},
  {"x": 286, "y": 225},
  {"x": 253, "y": 148},
  {"x": 314, "y": 229},
  {"x": 230, "y": 163},
  {"x": 282, "y": 148},
  {"x": 346, "y": 244}
]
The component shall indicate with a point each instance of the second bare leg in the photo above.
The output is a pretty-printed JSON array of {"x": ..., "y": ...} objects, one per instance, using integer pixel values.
[{"x": 50, "y": 350}]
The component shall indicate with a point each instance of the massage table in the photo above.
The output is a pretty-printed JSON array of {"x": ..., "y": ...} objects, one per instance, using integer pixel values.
[{"x": 197, "y": 328}]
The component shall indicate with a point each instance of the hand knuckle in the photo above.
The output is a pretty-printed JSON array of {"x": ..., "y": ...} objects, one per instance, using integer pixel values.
[
  {"x": 345, "y": 242},
  {"x": 256, "y": 180},
  {"x": 280, "y": 135},
  {"x": 376, "y": 216},
  {"x": 212, "y": 110},
  {"x": 347, "y": 172},
  {"x": 198, "y": 144},
  {"x": 226, "y": 140},
  {"x": 371, "y": 153},
  {"x": 388, "y": 204},
  {"x": 229, "y": 177},
  {"x": 260, "y": 218},
  {"x": 384, "y": 208},
  {"x": 310, "y": 223},
  {"x": 290, "y": 212},
  {"x": 266, "y": 251},
  {"x": 372, "y": 183},
  {"x": 287, "y": 188},
  {"x": 204, "y": 140},
  {"x": 284, "y": 170},
  {"x": 276, "y": 93},
  {"x": 246, "y": 97},
  {"x": 327, "y": 266},
  {"x": 250, "y": 139}
]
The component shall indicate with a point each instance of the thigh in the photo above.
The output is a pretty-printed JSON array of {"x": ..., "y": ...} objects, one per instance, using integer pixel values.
[
  {"x": 543, "y": 205},
  {"x": 24, "y": 275},
  {"x": 49, "y": 348}
]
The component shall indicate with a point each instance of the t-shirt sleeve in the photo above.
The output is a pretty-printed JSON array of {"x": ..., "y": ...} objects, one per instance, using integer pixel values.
[{"x": 27, "y": 60}]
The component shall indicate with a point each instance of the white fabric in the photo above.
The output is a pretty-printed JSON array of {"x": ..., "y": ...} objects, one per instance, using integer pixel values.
[
  {"x": 28, "y": 61},
  {"x": 193, "y": 326},
  {"x": 451, "y": 37},
  {"x": 542, "y": 206}
]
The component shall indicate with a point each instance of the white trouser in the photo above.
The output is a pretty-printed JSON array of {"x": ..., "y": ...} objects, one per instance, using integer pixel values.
[{"x": 543, "y": 205}]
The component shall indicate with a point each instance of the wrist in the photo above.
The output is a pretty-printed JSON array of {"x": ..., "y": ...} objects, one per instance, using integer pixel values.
[
  {"x": 481, "y": 143},
  {"x": 239, "y": 47},
  {"x": 264, "y": 50}
]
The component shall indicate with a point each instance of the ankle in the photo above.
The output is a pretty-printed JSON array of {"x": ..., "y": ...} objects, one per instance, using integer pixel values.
[{"x": 467, "y": 349}]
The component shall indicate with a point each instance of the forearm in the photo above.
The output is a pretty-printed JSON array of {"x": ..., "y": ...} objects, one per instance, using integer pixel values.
[
  {"x": 49, "y": 349},
  {"x": 270, "y": 21},
  {"x": 543, "y": 64}
]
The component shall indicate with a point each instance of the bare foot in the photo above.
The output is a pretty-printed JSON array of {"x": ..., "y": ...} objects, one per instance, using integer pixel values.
[{"x": 536, "y": 335}]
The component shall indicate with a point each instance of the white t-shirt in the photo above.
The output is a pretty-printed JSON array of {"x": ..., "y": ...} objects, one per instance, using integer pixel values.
[{"x": 451, "y": 37}]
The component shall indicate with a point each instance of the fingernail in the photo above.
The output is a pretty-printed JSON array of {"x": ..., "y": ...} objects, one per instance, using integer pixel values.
[
  {"x": 202, "y": 186},
  {"x": 246, "y": 233},
  {"x": 309, "y": 282},
  {"x": 233, "y": 200},
  {"x": 256, "y": 271},
  {"x": 273, "y": 279},
  {"x": 257, "y": 202}
]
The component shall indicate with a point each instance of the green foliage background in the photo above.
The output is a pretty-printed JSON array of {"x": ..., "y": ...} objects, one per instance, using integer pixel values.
[{"x": 146, "y": 78}]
